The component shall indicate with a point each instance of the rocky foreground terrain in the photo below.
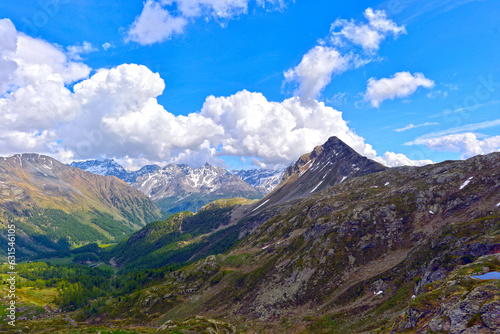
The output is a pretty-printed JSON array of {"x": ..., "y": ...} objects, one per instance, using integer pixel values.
[{"x": 391, "y": 251}]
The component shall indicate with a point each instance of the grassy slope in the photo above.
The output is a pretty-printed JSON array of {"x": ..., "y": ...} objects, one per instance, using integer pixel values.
[{"x": 181, "y": 238}]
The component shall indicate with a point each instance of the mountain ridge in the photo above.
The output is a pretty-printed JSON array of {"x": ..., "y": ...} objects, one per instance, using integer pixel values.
[
  {"x": 178, "y": 187},
  {"x": 325, "y": 166},
  {"x": 47, "y": 197}
]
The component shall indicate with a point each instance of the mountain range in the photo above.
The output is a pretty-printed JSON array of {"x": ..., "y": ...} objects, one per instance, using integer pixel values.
[
  {"x": 175, "y": 188},
  {"x": 342, "y": 245}
]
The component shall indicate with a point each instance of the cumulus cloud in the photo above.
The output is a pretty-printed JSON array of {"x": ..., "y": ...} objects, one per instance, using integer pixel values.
[
  {"x": 369, "y": 35},
  {"x": 40, "y": 61},
  {"x": 157, "y": 24},
  {"x": 277, "y": 132},
  {"x": 121, "y": 117},
  {"x": 467, "y": 144},
  {"x": 315, "y": 70},
  {"x": 330, "y": 58},
  {"x": 8, "y": 46},
  {"x": 37, "y": 99},
  {"x": 391, "y": 159},
  {"x": 401, "y": 84}
]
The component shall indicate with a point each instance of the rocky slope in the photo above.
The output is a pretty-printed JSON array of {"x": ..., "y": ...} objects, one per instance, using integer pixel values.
[
  {"x": 51, "y": 201},
  {"x": 386, "y": 252}
]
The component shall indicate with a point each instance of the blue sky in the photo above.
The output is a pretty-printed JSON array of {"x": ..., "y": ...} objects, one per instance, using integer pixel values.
[{"x": 246, "y": 83}]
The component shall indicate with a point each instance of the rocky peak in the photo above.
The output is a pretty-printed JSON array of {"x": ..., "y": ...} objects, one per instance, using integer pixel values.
[
  {"x": 325, "y": 166},
  {"x": 332, "y": 149}
]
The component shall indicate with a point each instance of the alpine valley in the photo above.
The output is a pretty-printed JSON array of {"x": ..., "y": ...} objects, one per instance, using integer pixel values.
[{"x": 342, "y": 244}]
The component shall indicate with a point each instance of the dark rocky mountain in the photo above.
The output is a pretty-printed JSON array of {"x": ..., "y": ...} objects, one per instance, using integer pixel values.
[
  {"x": 332, "y": 163},
  {"x": 50, "y": 202}
]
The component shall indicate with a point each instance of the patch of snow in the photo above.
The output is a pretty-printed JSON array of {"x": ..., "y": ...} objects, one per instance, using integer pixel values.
[
  {"x": 265, "y": 247},
  {"x": 431, "y": 212},
  {"x": 317, "y": 186},
  {"x": 305, "y": 170},
  {"x": 413, "y": 297},
  {"x": 343, "y": 178},
  {"x": 260, "y": 205},
  {"x": 378, "y": 293},
  {"x": 322, "y": 168},
  {"x": 466, "y": 183},
  {"x": 498, "y": 204},
  {"x": 374, "y": 187},
  {"x": 386, "y": 184}
]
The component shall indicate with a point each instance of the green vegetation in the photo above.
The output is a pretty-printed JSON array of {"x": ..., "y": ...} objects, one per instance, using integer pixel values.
[
  {"x": 83, "y": 258},
  {"x": 193, "y": 202},
  {"x": 181, "y": 239}
]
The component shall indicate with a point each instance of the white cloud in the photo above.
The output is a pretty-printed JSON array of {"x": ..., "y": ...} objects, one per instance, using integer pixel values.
[
  {"x": 75, "y": 51},
  {"x": 467, "y": 144},
  {"x": 315, "y": 70},
  {"x": 401, "y": 84},
  {"x": 8, "y": 46},
  {"x": 157, "y": 24},
  {"x": 37, "y": 99},
  {"x": 40, "y": 61},
  {"x": 413, "y": 126},
  {"x": 458, "y": 129},
  {"x": 320, "y": 63},
  {"x": 368, "y": 36},
  {"x": 106, "y": 46},
  {"x": 258, "y": 163},
  {"x": 277, "y": 132},
  {"x": 121, "y": 117},
  {"x": 391, "y": 159}
]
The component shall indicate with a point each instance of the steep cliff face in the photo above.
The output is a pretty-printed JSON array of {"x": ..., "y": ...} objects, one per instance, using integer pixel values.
[{"x": 57, "y": 201}]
